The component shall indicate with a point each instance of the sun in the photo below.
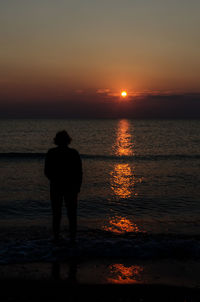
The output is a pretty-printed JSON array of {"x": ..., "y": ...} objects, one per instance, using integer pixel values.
[{"x": 124, "y": 94}]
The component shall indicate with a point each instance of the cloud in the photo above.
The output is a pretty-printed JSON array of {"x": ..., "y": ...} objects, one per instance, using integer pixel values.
[
  {"x": 79, "y": 91},
  {"x": 104, "y": 104},
  {"x": 103, "y": 91}
]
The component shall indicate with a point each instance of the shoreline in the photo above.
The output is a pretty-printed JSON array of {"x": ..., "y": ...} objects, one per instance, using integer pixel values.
[{"x": 107, "y": 271}]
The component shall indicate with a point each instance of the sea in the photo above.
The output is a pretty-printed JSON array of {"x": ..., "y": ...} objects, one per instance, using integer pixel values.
[{"x": 140, "y": 197}]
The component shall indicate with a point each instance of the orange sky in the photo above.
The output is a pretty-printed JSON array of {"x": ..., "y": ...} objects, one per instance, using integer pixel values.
[{"x": 56, "y": 49}]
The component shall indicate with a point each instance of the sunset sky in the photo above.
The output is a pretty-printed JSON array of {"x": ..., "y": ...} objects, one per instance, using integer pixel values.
[{"x": 84, "y": 53}]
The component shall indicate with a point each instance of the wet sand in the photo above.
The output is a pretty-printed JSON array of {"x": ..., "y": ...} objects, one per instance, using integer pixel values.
[
  {"x": 60, "y": 291},
  {"x": 103, "y": 280}
]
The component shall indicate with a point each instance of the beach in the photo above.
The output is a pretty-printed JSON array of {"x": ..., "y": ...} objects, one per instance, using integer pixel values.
[
  {"x": 80, "y": 280},
  {"x": 138, "y": 213}
]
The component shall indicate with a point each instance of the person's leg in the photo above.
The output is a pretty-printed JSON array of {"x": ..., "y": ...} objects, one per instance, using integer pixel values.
[
  {"x": 71, "y": 204},
  {"x": 56, "y": 205}
]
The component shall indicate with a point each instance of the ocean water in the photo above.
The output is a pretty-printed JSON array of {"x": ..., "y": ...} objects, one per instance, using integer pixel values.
[{"x": 140, "y": 196}]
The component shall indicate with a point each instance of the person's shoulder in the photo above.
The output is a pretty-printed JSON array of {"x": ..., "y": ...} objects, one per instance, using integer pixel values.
[
  {"x": 63, "y": 151},
  {"x": 52, "y": 150},
  {"x": 73, "y": 151}
]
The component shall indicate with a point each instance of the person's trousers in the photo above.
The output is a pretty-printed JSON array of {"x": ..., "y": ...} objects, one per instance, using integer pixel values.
[{"x": 57, "y": 196}]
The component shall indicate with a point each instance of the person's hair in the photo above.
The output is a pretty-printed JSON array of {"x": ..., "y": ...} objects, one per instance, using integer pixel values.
[{"x": 62, "y": 138}]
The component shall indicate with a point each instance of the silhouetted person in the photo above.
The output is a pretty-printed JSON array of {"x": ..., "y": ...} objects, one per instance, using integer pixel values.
[{"x": 63, "y": 168}]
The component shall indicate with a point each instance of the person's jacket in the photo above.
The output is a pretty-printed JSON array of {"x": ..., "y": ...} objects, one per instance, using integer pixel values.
[{"x": 63, "y": 167}]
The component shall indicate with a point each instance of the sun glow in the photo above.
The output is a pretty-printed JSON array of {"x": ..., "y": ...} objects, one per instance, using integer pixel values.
[{"x": 124, "y": 94}]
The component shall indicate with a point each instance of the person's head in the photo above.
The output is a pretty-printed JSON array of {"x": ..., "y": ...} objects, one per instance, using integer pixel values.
[{"x": 62, "y": 138}]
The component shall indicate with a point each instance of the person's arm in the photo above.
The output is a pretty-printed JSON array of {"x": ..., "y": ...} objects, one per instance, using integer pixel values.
[
  {"x": 79, "y": 171},
  {"x": 47, "y": 166}
]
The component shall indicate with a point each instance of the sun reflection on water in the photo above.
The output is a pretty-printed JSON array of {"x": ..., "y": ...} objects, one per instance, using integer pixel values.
[
  {"x": 120, "y": 225},
  {"x": 122, "y": 179},
  {"x": 121, "y": 274},
  {"x": 123, "y": 144}
]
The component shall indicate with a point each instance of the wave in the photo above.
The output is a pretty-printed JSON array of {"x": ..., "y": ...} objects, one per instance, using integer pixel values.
[
  {"x": 156, "y": 157},
  {"x": 135, "y": 247}
]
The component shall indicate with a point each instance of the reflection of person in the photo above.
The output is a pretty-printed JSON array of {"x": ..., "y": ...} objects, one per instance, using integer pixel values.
[
  {"x": 72, "y": 273},
  {"x": 63, "y": 168}
]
